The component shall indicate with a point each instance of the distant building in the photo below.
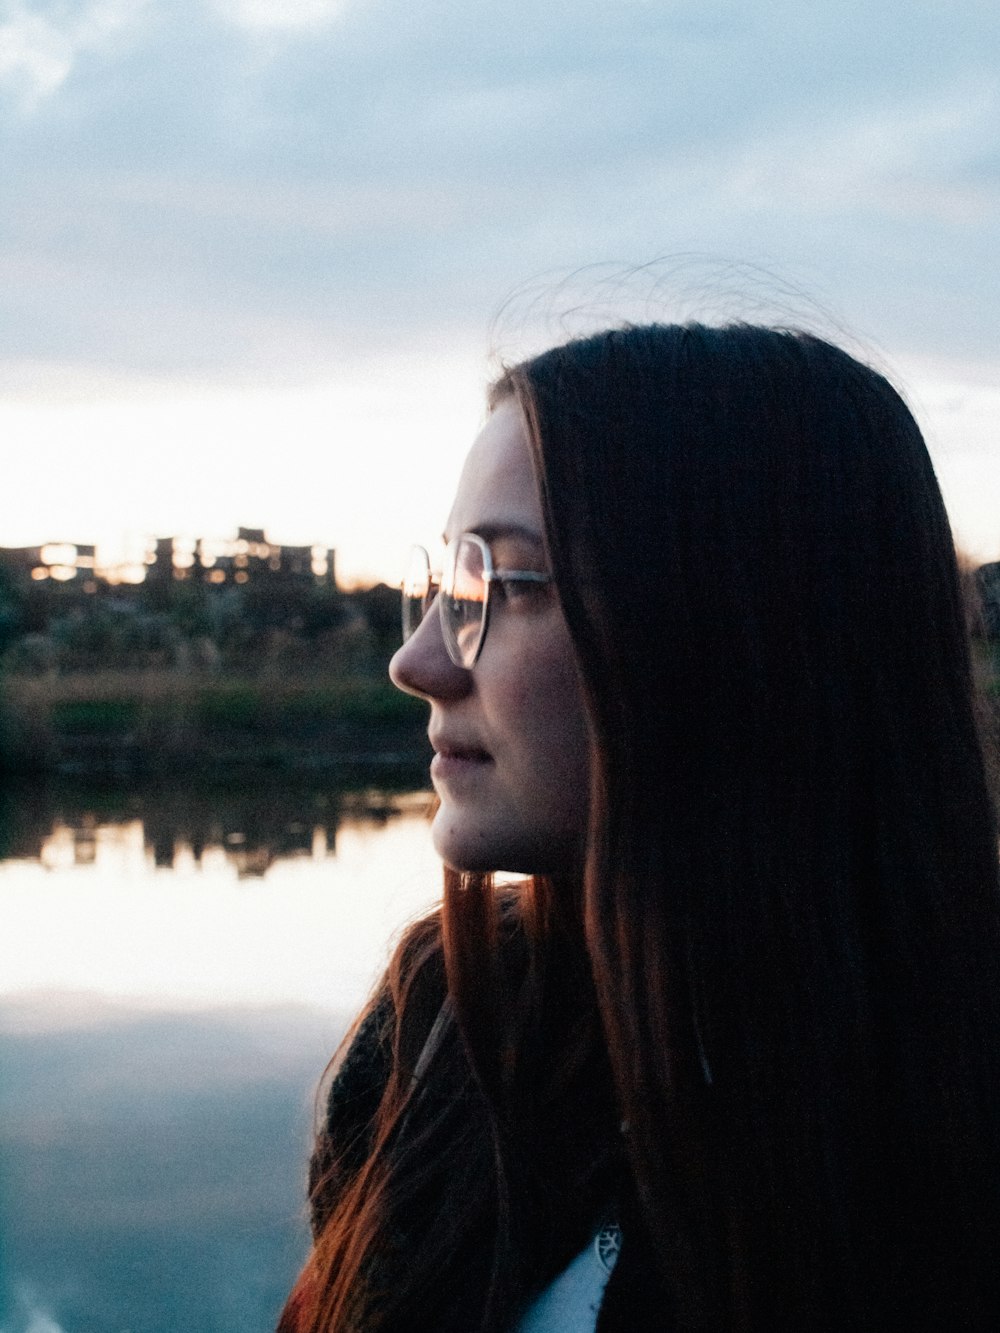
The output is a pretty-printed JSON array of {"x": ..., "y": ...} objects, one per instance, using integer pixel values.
[
  {"x": 61, "y": 561},
  {"x": 160, "y": 561},
  {"x": 293, "y": 561},
  {"x": 20, "y": 560},
  {"x": 221, "y": 563}
]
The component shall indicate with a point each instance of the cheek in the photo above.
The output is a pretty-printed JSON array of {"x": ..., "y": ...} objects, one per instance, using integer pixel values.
[{"x": 546, "y": 727}]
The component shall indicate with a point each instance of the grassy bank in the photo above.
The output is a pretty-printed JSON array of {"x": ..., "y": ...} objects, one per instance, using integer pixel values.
[
  {"x": 153, "y": 722},
  {"x": 121, "y": 723}
]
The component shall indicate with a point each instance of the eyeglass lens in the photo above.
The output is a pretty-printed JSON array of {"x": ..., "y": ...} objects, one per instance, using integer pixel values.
[
  {"x": 463, "y": 599},
  {"x": 416, "y": 590}
]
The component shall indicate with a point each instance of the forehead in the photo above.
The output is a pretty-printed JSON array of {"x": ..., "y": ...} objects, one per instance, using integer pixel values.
[{"x": 497, "y": 488}]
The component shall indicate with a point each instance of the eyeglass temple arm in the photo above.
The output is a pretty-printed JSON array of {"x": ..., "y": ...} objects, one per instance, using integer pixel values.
[{"x": 517, "y": 576}]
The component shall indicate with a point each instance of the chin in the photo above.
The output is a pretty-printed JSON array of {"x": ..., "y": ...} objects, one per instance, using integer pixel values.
[
  {"x": 464, "y": 853},
  {"x": 464, "y": 847},
  {"x": 480, "y": 851}
]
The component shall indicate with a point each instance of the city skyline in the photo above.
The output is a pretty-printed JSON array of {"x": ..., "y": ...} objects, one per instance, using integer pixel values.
[
  {"x": 235, "y": 558},
  {"x": 960, "y": 419}
]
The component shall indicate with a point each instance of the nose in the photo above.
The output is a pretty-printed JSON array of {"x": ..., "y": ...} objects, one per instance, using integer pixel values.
[{"x": 422, "y": 665}]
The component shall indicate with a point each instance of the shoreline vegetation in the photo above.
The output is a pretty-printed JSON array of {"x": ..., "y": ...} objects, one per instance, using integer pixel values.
[
  {"x": 284, "y": 672},
  {"x": 284, "y": 675},
  {"x": 125, "y": 723}
]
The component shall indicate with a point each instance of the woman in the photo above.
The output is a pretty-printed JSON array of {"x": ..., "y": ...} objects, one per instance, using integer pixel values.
[{"x": 698, "y": 667}]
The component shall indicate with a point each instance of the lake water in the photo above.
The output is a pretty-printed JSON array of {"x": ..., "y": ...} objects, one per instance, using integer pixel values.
[{"x": 176, "y": 968}]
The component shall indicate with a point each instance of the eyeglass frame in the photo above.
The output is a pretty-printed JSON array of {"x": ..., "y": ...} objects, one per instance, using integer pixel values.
[{"x": 490, "y": 576}]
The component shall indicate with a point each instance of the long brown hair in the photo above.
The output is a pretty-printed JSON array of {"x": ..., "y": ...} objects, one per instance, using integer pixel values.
[
  {"x": 787, "y": 938},
  {"x": 488, "y": 1153},
  {"x": 792, "y": 897}
]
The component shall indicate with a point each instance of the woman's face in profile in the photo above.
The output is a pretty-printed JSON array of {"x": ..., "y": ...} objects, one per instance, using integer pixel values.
[{"x": 510, "y": 736}]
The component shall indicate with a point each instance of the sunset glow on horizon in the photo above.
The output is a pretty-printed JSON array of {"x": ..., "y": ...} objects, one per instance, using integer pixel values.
[
  {"x": 370, "y": 504},
  {"x": 259, "y": 261}
]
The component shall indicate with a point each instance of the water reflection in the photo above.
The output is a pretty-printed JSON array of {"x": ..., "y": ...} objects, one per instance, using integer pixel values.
[
  {"x": 265, "y": 894},
  {"x": 176, "y": 968},
  {"x": 252, "y": 826},
  {"x": 153, "y": 1167}
]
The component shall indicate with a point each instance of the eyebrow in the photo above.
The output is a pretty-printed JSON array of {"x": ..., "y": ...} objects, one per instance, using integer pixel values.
[{"x": 491, "y": 532}]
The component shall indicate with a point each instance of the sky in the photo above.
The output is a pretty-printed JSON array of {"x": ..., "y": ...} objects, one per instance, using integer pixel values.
[{"x": 259, "y": 258}]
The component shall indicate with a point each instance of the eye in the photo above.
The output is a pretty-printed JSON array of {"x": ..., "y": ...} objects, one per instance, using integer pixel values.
[{"x": 521, "y": 590}]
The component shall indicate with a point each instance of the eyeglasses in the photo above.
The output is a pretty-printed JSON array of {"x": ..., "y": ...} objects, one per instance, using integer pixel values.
[{"x": 464, "y": 587}]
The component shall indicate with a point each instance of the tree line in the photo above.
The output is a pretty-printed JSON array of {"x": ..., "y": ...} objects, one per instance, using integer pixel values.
[{"x": 302, "y": 626}]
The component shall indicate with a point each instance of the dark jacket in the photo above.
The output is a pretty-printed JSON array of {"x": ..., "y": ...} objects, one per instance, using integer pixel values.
[{"x": 633, "y": 1299}]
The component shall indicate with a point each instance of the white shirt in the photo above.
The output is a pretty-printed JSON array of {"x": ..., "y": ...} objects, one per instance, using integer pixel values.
[{"x": 570, "y": 1303}]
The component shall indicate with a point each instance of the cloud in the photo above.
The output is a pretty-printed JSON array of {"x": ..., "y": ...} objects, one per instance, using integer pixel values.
[
  {"x": 274, "y": 16},
  {"x": 217, "y": 187},
  {"x": 38, "y": 49},
  {"x": 890, "y": 156}
]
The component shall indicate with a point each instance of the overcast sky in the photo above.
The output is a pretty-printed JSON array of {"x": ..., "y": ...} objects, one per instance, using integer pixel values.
[{"x": 256, "y": 254}]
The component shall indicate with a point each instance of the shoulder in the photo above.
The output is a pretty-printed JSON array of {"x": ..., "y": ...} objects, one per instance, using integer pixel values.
[
  {"x": 396, "y": 1021},
  {"x": 358, "y": 1076},
  {"x": 376, "y": 1060},
  {"x": 361, "y": 1070}
]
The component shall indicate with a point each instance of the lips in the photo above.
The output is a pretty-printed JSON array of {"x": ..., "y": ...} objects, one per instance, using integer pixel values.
[
  {"x": 454, "y": 747},
  {"x": 455, "y": 759},
  {"x": 468, "y": 753}
]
